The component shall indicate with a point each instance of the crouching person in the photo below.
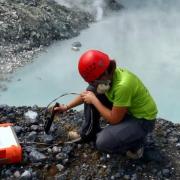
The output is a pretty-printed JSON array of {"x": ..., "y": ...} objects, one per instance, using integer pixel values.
[{"x": 123, "y": 101}]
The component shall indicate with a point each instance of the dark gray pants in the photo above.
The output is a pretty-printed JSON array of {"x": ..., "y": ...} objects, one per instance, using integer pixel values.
[{"x": 129, "y": 134}]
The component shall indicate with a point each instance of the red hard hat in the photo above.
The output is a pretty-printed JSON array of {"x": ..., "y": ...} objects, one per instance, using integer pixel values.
[{"x": 92, "y": 64}]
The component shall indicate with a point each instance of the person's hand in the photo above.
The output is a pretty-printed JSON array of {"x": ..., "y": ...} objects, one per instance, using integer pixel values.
[
  {"x": 88, "y": 97},
  {"x": 61, "y": 108}
]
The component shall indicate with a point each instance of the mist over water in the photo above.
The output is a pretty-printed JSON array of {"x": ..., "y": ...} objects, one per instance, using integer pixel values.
[
  {"x": 95, "y": 7},
  {"x": 144, "y": 38}
]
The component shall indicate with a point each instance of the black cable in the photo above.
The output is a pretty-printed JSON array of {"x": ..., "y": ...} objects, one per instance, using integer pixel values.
[
  {"x": 65, "y": 94},
  {"x": 48, "y": 120}
]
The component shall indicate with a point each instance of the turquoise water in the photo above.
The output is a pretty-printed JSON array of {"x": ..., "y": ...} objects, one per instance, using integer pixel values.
[{"x": 145, "y": 40}]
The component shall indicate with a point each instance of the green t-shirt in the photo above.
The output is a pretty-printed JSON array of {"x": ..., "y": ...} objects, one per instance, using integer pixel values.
[{"x": 128, "y": 91}]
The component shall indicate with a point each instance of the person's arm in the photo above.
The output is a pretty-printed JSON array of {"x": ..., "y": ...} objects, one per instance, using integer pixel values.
[
  {"x": 75, "y": 102},
  {"x": 112, "y": 116}
]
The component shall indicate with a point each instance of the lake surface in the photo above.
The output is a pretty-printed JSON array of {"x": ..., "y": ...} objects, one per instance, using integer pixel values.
[{"x": 144, "y": 38}]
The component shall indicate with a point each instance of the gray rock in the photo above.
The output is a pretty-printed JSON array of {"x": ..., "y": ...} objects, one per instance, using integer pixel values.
[
  {"x": 134, "y": 177},
  {"x": 166, "y": 172},
  {"x": 34, "y": 127},
  {"x": 173, "y": 139},
  {"x": 18, "y": 129},
  {"x": 26, "y": 175},
  {"x": 56, "y": 149},
  {"x": 60, "y": 167},
  {"x": 74, "y": 48},
  {"x": 76, "y": 44},
  {"x": 178, "y": 146},
  {"x": 126, "y": 176},
  {"x": 32, "y": 136},
  {"x": 8, "y": 172},
  {"x": 17, "y": 174},
  {"x": 31, "y": 116},
  {"x": 48, "y": 139},
  {"x": 36, "y": 156}
]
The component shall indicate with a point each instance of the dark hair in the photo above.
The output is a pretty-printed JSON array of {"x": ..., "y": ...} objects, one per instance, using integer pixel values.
[
  {"x": 111, "y": 67},
  {"x": 110, "y": 70}
]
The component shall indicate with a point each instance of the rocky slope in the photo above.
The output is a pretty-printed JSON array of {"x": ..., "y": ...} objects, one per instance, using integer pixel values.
[
  {"x": 27, "y": 26},
  {"x": 49, "y": 157}
]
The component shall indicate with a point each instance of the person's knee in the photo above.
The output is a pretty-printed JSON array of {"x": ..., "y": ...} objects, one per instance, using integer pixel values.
[
  {"x": 100, "y": 143},
  {"x": 104, "y": 143}
]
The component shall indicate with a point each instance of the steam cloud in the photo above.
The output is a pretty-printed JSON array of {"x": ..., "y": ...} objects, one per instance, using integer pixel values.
[{"x": 95, "y": 7}]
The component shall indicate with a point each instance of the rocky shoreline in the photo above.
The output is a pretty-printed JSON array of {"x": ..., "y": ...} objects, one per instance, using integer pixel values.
[{"x": 49, "y": 157}]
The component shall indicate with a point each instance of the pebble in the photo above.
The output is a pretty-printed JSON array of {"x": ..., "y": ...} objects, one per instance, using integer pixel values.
[
  {"x": 173, "y": 139},
  {"x": 34, "y": 127},
  {"x": 166, "y": 172},
  {"x": 178, "y": 146},
  {"x": 17, "y": 174},
  {"x": 32, "y": 136},
  {"x": 55, "y": 149},
  {"x": 18, "y": 129},
  {"x": 26, "y": 175},
  {"x": 108, "y": 156},
  {"x": 76, "y": 44},
  {"x": 75, "y": 48},
  {"x": 126, "y": 176},
  {"x": 134, "y": 177},
  {"x": 60, "y": 167},
  {"x": 36, "y": 156},
  {"x": 48, "y": 139}
]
